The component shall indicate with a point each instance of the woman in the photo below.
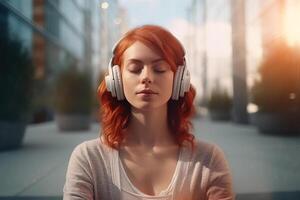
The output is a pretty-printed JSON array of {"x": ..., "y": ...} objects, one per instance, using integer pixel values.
[{"x": 146, "y": 150}]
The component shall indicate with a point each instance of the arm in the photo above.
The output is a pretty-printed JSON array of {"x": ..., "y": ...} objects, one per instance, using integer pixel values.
[
  {"x": 220, "y": 180},
  {"x": 79, "y": 184}
]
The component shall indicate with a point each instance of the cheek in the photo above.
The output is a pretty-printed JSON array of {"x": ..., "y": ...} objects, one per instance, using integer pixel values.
[
  {"x": 129, "y": 83},
  {"x": 167, "y": 84}
]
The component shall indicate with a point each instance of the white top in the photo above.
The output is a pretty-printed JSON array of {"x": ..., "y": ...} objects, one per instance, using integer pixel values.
[
  {"x": 129, "y": 191},
  {"x": 95, "y": 171}
]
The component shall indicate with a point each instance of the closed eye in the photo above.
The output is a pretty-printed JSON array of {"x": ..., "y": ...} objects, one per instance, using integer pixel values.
[
  {"x": 134, "y": 68},
  {"x": 160, "y": 70}
]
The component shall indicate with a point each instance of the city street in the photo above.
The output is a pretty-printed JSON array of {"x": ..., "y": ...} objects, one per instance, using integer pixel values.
[{"x": 263, "y": 167}]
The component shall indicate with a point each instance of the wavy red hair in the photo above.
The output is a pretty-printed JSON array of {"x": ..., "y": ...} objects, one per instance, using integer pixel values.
[{"x": 115, "y": 115}]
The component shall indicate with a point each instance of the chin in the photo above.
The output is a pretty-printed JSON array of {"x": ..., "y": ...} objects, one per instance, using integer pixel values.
[
  {"x": 149, "y": 106},
  {"x": 144, "y": 107}
]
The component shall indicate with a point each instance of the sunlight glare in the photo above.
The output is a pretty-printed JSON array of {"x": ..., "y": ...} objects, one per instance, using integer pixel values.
[
  {"x": 104, "y": 5},
  {"x": 291, "y": 23}
]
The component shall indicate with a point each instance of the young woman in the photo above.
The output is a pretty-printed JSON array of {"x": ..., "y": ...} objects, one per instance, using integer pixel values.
[{"x": 146, "y": 149}]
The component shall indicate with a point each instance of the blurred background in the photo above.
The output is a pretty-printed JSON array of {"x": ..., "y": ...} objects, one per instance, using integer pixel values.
[{"x": 243, "y": 55}]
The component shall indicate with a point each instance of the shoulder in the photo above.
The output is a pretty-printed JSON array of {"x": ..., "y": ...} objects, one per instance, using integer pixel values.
[
  {"x": 92, "y": 150},
  {"x": 87, "y": 173},
  {"x": 207, "y": 146},
  {"x": 86, "y": 146},
  {"x": 207, "y": 153},
  {"x": 208, "y": 161}
]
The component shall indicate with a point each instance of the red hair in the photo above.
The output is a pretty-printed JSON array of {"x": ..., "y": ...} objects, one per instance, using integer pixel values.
[{"x": 115, "y": 115}]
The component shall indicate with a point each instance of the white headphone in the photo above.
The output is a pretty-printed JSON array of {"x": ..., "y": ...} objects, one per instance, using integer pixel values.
[{"x": 113, "y": 80}]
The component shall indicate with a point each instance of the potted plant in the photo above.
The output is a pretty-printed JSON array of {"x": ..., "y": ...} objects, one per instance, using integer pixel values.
[
  {"x": 16, "y": 80},
  {"x": 277, "y": 91},
  {"x": 41, "y": 103},
  {"x": 219, "y": 104},
  {"x": 73, "y": 100}
]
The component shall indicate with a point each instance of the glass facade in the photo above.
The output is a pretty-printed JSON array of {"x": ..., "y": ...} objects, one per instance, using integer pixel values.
[
  {"x": 15, "y": 22},
  {"x": 71, "y": 27},
  {"x": 56, "y": 33}
]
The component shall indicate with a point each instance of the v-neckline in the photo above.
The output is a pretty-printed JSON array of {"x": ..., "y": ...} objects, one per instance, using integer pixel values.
[{"x": 162, "y": 192}]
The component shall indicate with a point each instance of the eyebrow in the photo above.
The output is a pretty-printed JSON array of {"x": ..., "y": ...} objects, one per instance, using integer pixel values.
[{"x": 139, "y": 61}]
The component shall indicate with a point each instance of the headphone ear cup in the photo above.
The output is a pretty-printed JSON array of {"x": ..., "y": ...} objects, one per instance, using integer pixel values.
[
  {"x": 186, "y": 82},
  {"x": 109, "y": 81},
  {"x": 118, "y": 82},
  {"x": 177, "y": 83}
]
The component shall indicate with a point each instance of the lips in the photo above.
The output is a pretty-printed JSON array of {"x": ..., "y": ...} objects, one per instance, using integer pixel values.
[{"x": 146, "y": 91}]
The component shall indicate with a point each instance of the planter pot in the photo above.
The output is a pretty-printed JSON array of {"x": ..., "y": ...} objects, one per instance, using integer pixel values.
[
  {"x": 219, "y": 115},
  {"x": 11, "y": 134},
  {"x": 73, "y": 122},
  {"x": 277, "y": 123},
  {"x": 42, "y": 115}
]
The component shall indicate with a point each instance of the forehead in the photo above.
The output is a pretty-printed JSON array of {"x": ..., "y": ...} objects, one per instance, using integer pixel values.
[{"x": 140, "y": 51}]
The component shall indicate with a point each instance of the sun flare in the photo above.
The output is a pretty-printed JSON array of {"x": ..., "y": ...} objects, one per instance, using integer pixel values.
[{"x": 291, "y": 23}]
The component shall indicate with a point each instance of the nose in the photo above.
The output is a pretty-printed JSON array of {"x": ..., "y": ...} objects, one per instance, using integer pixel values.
[
  {"x": 146, "y": 80},
  {"x": 146, "y": 76}
]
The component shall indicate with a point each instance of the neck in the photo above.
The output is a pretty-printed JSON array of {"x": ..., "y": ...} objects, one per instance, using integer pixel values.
[{"x": 149, "y": 128}]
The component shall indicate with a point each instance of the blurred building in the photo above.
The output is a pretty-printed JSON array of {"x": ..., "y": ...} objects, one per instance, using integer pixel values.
[
  {"x": 60, "y": 32},
  {"x": 239, "y": 69},
  {"x": 113, "y": 22},
  {"x": 196, "y": 48},
  {"x": 210, "y": 45},
  {"x": 265, "y": 23}
]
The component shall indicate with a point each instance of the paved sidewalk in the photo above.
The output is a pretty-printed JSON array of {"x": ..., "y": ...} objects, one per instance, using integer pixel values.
[
  {"x": 263, "y": 167},
  {"x": 260, "y": 164},
  {"x": 38, "y": 169}
]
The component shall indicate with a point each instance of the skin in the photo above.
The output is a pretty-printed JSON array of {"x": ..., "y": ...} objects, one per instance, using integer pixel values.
[{"x": 148, "y": 141}]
